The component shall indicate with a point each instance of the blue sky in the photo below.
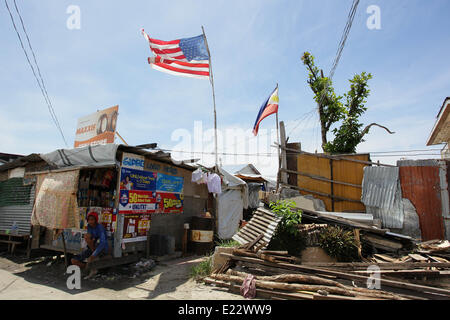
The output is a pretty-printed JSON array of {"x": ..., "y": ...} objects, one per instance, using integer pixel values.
[{"x": 254, "y": 45}]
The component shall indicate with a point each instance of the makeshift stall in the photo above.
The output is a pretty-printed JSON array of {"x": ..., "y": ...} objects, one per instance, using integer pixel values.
[
  {"x": 229, "y": 195},
  {"x": 128, "y": 187}
]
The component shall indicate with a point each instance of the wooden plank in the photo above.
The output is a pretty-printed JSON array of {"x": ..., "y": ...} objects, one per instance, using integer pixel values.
[
  {"x": 383, "y": 242},
  {"x": 278, "y": 253},
  {"x": 319, "y": 217},
  {"x": 296, "y": 282},
  {"x": 255, "y": 241},
  {"x": 316, "y": 177},
  {"x": 348, "y": 276},
  {"x": 260, "y": 293},
  {"x": 323, "y": 194},
  {"x": 417, "y": 257},
  {"x": 358, "y": 242},
  {"x": 385, "y": 265},
  {"x": 404, "y": 272},
  {"x": 384, "y": 257}
]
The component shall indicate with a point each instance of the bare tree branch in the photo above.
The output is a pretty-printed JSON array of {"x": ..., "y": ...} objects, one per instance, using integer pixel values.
[{"x": 366, "y": 129}]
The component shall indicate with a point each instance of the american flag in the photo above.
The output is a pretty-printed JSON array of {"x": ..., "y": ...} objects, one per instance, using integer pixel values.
[{"x": 186, "y": 57}]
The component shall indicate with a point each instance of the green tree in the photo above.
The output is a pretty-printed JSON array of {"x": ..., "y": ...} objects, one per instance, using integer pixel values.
[{"x": 332, "y": 110}]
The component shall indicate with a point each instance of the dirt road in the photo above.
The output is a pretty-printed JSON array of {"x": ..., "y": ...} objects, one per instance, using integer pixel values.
[{"x": 45, "y": 278}]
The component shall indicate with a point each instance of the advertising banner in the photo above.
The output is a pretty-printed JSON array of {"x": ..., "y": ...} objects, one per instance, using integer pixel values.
[
  {"x": 169, "y": 202},
  {"x": 166, "y": 183},
  {"x": 97, "y": 128},
  {"x": 131, "y": 179},
  {"x": 136, "y": 201},
  {"x": 135, "y": 227},
  {"x": 137, "y": 190},
  {"x": 143, "y": 193}
]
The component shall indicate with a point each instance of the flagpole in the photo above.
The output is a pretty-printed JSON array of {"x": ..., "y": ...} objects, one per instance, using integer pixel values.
[
  {"x": 278, "y": 143},
  {"x": 211, "y": 80}
]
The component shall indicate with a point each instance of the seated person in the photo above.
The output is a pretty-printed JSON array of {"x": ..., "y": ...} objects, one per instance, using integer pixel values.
[{"x": 95, "y": 233}]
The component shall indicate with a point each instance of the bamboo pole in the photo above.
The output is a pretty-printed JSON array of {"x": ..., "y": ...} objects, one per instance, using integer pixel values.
[{"x": 211, "y": 80}]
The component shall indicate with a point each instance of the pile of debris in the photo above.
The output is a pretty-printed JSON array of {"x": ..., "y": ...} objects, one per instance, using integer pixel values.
[
  {"x": 399, "y": 267},
  {"x": 277, "y": 275},
  {"x": 131, "y": 271}
]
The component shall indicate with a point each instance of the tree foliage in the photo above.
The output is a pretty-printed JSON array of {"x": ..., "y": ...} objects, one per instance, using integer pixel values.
[{"x": 332, "y": 109}]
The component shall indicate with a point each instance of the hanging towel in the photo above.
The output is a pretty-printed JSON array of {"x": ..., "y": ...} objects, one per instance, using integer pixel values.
[
  {"x": 196, "y": 175},
  {"x": 214, "y": 183}
]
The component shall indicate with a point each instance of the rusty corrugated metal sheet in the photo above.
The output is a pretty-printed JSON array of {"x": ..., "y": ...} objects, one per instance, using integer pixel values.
[
  {"x": 382, "y": 195},
  {"x": 263, "y": 221},
  {"x": 420, "y": 183}
]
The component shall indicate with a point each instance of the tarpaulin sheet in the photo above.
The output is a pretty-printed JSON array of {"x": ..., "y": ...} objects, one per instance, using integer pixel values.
[
  {"x": 253, "y": 194},
  {"x": 230, "y": 205},
  {"x": 90, "y": 156},
  {"x": 56, "y": 200}
]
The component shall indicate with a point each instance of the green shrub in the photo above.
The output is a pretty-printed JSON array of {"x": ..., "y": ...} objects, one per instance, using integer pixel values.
[
  {"x": 287, "y": 236},
  {"x": 202, "y": 269},
  {"x": 339, "y": 243}
]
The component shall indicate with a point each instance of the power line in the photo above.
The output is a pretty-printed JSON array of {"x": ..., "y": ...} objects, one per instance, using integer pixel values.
[
  {"x": 267, "y": 154},
  {"x": 303, "y": 117},
  {"x": 347, "y": 28},
  {"x": 341, "y": 46},
  {"x": 406, "y": 155},
  {"x": 51, "y": 109},
  {"x": 422, "y": 150},
  {"x": 41, "y": 85}
]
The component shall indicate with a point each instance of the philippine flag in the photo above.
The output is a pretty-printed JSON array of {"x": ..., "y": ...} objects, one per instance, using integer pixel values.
[{"x": 269, "y": 107}]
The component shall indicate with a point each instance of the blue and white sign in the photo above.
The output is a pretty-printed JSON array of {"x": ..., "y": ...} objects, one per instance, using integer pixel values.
[
  {"x": 133, "y": 161},
  {"x": 166, "y": 183}
]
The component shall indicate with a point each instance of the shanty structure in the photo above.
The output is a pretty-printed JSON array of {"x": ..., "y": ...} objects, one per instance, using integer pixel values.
[
  {"x": 8, "y": 157},
  {"x": 231, "y": 203},
  {"x": 255, "y": 183},
  {"x": 441, "y": 130}
]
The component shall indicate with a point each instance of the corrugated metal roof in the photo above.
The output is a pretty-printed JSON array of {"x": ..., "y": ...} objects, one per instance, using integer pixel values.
[
  {"x": 381, "y": 194},
  {"x": 21, "y": 214},
  {"x": 263, "y": 221},
  {"x": 21, "y": 162}
]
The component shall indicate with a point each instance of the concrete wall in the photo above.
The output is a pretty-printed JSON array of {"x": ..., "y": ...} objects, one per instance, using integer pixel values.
[{"x": 172, "y": 224}]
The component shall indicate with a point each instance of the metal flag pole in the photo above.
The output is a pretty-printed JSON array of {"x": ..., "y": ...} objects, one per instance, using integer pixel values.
[{"x": 211, "y": 80}]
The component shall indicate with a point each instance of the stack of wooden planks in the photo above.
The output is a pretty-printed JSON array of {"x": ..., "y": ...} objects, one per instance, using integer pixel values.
[{"x": 281, "y": 276}]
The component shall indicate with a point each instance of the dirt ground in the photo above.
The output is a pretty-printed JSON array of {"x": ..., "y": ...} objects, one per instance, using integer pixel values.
[{"x": 44, "y": 278}]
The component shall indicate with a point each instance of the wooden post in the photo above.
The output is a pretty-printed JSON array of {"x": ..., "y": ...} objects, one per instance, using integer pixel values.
[
  {"x": 185, "y": 239},
  {"x": 279, "y": 158},
  {"x": 358, "y": 242},
  {"x": 148, "y": 245},
  {"x": 117, "y": 132},
  {"x": 284, "y": 178},
  {"x": 332, "y": 185},
  {"x": 65, "y": 251}
]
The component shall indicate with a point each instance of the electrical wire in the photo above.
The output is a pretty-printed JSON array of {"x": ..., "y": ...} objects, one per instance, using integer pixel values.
[
  {"x": 267, "y": 154},
  {"x": 52, "y": 110},
  {"x": 40, "y": 84}
]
